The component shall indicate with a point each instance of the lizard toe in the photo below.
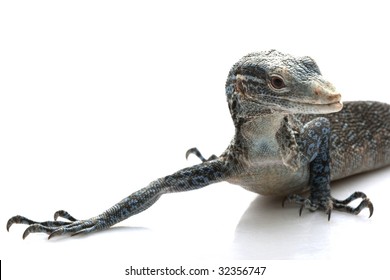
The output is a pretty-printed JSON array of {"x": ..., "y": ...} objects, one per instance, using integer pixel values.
[
  {"x": 65, "y": 215},
  {"x": 342, "y": 205}
]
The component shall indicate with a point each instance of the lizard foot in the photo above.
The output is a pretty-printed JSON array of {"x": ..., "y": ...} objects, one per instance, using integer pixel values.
[
  {"x": 332, "y": 204},
  {"x": 56, "y": 228},
  {"x": 196, "y": 152}
]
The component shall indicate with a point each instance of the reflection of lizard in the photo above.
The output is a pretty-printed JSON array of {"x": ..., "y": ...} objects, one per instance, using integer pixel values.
[{"x": 282, "y": 144}]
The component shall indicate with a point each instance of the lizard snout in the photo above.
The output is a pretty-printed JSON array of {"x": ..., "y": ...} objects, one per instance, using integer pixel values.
[
  {"x": 327, "y": 96},
  {"x": 325, "y": 93}
]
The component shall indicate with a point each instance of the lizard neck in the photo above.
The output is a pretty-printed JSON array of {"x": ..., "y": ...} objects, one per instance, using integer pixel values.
[{"x": 255, "y": 138}]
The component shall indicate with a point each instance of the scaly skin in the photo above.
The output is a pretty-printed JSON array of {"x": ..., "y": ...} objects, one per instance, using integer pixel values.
[{"x": 290, "y": 137}]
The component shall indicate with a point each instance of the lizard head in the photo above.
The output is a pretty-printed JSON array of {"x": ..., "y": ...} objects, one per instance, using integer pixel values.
[{"x": 271, "y": 80}]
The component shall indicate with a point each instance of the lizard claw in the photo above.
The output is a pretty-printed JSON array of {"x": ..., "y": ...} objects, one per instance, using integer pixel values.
[
  {"x": 371, "y": 208},
  {"x": 36, "y": 228},
  {"x": 300, "y": 200},
  {"x": 196, "y": 152},
  {"x": 300, "y": 210},
  {"x": 342, "y": 205},
  {"x": 57, "y": 228},
  {"x": 57, "y": 232},
  {"x": 18, "y": 220},
  {"x": 65, "y": 215},
  {"x": 332, "y": 204},
  {"x": 23, "y": 220}
]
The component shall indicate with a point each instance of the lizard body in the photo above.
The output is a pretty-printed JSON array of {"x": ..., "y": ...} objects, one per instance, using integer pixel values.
[
  {"x": 358, "y": 143},
  {"x": 291, "y": 136}
]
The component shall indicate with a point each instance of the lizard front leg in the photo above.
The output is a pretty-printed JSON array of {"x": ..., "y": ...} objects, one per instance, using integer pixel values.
[
  {"x": 315, "y": 149},
  {"x": 190, "y": 178}
]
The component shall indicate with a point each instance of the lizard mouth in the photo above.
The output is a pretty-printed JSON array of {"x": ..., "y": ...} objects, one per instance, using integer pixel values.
[
  {"x": 328, "y": 107},
  {"x": 303, "y": 105},
  {"x": 307, "y": 107}
]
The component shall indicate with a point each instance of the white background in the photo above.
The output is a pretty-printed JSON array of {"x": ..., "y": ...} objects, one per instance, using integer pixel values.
[{"x": 98, "y": 98}]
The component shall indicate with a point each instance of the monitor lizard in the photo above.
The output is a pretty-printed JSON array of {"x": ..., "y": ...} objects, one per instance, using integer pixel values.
[{"x": 292, "y": 135}]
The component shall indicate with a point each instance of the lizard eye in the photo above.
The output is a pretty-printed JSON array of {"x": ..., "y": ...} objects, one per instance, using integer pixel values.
[{"x": 277, "y": 82}]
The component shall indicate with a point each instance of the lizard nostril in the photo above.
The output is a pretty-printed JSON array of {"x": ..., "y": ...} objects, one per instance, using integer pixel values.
[
  {"x": 334, "y": 97},
  {"x": 326, "y": 94}
]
